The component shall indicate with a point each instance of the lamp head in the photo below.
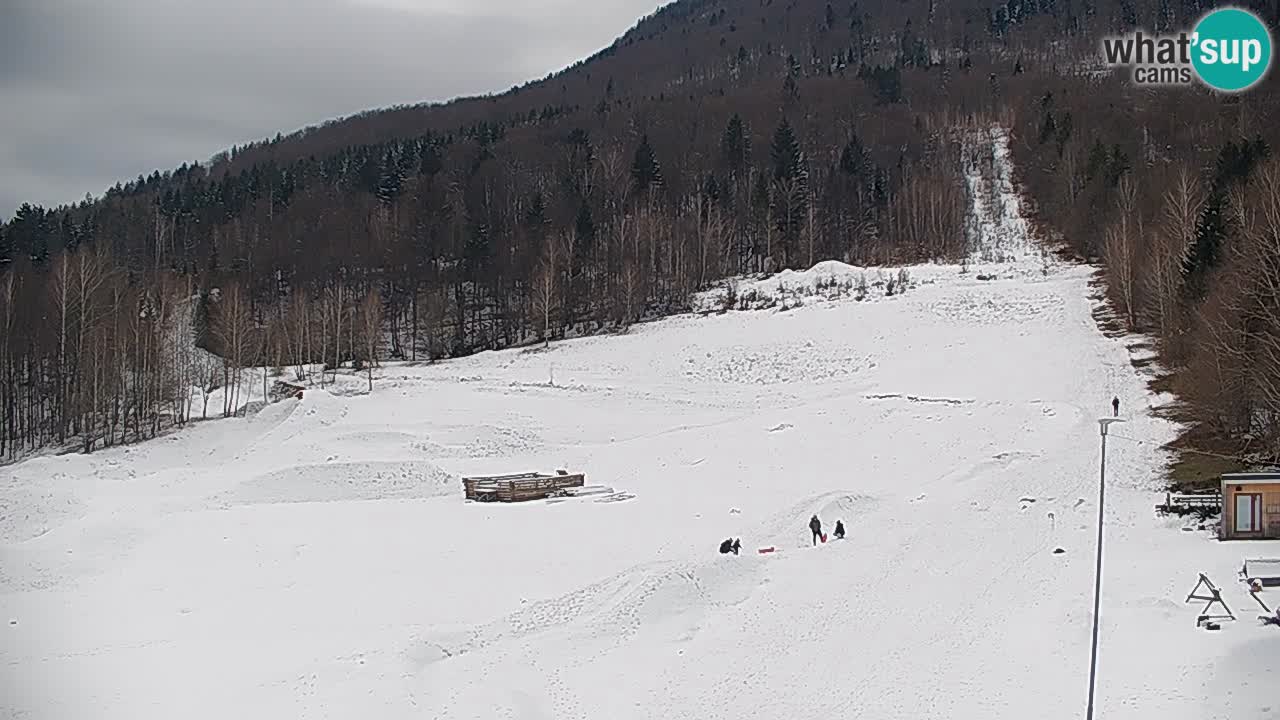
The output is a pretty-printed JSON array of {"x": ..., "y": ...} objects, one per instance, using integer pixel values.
[{"x": 1104, "y": 423}]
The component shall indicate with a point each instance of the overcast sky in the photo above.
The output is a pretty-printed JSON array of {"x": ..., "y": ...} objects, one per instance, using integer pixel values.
[{"x": 94, "y": 91}]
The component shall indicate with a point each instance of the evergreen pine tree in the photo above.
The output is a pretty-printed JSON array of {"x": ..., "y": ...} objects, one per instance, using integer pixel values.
[
  {"x": 644, "y": 168},
  {"x": 735, "y": 144},
  {"x": 392, "y": 180},
  {"x": 29, "y": 233},
  {"x": 711, "y": 189},
  {"x": 791, "y": 188},
  {"x": 790, "y": 90},
  {"x": 478, "y": 250},
  {"x": 584, "y": 237},
  {"x": 787, "y": 156},
  {"x": 1097, "y": 160},
  {"x": 429, "y": 160},
  {"x": 853, "y": 157}
]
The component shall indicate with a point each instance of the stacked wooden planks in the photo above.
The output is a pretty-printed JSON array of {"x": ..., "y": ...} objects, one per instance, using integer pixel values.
[{"x": 520, "y": 487}]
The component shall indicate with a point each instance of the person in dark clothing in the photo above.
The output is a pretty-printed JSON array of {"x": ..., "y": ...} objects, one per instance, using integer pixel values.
[
  {"x": 815, "y": 525},
  {"x": 1115, "y": 406},
  {"x": 730, "y": 545},
  {"x": 839, "y": 533}
]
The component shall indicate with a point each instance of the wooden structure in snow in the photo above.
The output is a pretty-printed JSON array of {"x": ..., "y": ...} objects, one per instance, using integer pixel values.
[
  {"x": 1251, "y": 506},
  {"x": 520, "y": 487},
  {"x": 1205, "y": 504},
  {"x": 1265, "y": 570}
]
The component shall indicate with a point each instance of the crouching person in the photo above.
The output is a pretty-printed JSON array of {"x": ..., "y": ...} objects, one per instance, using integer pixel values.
[{"x": 732, "y": 545}]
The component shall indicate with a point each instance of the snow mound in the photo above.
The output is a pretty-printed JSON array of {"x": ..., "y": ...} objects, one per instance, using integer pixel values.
[
  {"x": 828, "y": 280},
  {"x": 667, "y": 599},
  {"x": 793, "y": 523},
  {"x": 292, "y": 420},
  {"x": 332, "y": 482},
  {"x": 826, "y": 274}
]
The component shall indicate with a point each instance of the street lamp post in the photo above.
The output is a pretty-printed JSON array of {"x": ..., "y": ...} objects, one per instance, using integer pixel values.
[{"x": 1103, "y": 424}]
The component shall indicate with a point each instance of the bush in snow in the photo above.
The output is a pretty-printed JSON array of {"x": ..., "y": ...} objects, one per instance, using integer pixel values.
[
  {"x": 832, "y": 288},
  {"x": 792, "y": 297},
  {"x": 729, "y": 300}
]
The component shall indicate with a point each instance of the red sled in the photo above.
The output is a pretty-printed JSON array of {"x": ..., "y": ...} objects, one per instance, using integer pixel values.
[
  {"x": 824, "y": 537},
  {"x": 765, "y": 551}
]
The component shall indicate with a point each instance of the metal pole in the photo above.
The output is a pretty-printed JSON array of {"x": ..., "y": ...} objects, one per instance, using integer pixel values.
[{"x": 1097, "y": 579}]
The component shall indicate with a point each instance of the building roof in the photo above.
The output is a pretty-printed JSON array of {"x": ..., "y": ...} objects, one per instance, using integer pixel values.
[{"x": 1255, "y": 478}]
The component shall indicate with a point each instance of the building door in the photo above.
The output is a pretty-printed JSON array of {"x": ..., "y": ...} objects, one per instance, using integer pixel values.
[{"x": 1248, "y": 513}]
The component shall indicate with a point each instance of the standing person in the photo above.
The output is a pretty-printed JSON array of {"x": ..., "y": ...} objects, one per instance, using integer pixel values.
[
  {"x": 815, "y": 525},
  {"x": 839, "y": 531},
  {"x": 1115, "y": 406}
]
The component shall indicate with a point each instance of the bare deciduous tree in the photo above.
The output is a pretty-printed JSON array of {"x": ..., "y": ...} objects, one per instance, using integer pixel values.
[
  {"x": 1171, "y": 245},
  {"x": 233, "y": 328},
  {"x": 371, "y": 329},
  {"x": 546, "y": 284},
  {"x": 1119, "y": 247}
]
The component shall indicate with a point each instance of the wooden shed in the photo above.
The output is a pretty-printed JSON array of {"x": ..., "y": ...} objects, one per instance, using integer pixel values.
[
  {"x": 1250, "y": 506},
  {"x": 519, "y": 487}
]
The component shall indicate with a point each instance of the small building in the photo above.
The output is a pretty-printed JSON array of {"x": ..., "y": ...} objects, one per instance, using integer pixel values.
[
  {"x": 519, "y": 487},
  {"x": 1250, "y": 506}
]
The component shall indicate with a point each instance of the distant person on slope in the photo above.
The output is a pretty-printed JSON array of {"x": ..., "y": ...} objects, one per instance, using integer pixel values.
[
  {"x": 839, "y": 532},
  {"x": 815, "y": 525},
  {"x": 1115, "y": 406},
  {"x": 730, "y": 546}
]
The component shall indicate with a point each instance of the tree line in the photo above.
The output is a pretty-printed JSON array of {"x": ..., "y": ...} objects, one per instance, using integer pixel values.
[
  {"x": 713, "y": 139},
  {"x": 1174, "y": 191}
]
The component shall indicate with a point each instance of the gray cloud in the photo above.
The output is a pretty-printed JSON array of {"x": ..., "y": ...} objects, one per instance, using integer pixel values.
[{"x": 94, "y": 93}]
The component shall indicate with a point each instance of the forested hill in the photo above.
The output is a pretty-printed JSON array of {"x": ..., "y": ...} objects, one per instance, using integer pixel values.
[{"x": 717, "y": 137}]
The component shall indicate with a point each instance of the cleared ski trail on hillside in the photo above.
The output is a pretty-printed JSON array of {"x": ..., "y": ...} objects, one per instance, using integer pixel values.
[{"x": 316, "y": 560}]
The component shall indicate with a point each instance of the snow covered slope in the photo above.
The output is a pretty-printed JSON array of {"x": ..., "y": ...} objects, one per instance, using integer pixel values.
[{"x": 317, "y": 559}]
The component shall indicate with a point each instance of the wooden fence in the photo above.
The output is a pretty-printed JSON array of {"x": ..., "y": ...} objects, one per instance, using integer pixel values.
[{"x": 1203, "y": 504}]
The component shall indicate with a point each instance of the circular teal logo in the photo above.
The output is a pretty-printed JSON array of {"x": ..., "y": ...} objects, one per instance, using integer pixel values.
[{"x": 1231, "y": 49}]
